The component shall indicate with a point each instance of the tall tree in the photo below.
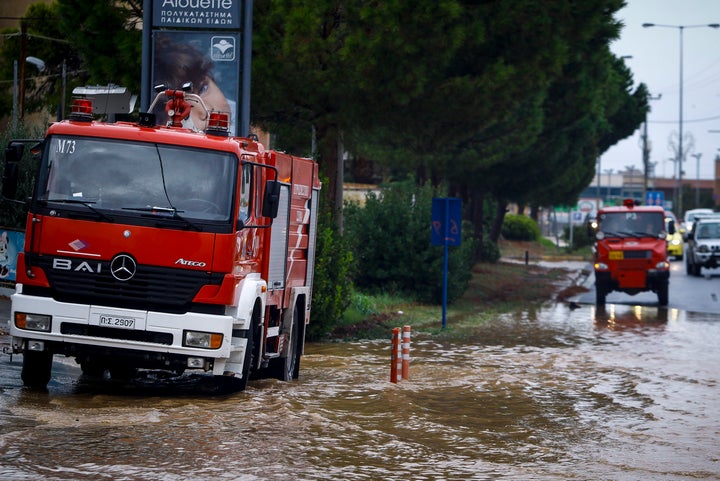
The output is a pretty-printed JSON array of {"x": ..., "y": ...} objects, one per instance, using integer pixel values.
[
  {"x": 39, "y": 37},
  {"x": 108, "y": 38}
]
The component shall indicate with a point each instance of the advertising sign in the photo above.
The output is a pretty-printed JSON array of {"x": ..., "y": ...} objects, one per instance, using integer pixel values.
[
  {"x": 202, "y": 14},
  {"x": 11, "y": 243},
  {"x": 210, "y": 60}
]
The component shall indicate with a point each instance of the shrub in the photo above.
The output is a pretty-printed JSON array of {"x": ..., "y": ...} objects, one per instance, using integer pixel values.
[
  {"x": 581, "y": 236},
  {"x": 520, "y": 228},
  {"x": 489, "y": 251},
  {"x": 332, "y": 285},
  {"x": 390, "y": 239}
]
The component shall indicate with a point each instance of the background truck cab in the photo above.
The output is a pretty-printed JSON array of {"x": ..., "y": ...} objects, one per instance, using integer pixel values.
[{"x": 631, "y": 251}]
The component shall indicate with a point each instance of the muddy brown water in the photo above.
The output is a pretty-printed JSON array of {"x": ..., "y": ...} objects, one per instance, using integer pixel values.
[{"x": 627, "y": 394}]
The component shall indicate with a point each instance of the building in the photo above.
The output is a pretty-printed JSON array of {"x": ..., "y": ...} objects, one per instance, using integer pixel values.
[{"x": 612, "y": 187}]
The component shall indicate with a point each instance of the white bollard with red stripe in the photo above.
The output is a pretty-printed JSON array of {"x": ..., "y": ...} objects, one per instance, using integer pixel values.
[
  {"x": 400, "y": 354},
  {"x": 406, "y": 352}
]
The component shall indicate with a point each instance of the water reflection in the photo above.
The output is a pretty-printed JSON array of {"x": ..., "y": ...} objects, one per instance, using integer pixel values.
[
  {"x": 625, "y": 393},
  {"x": 619, "y": 317}
]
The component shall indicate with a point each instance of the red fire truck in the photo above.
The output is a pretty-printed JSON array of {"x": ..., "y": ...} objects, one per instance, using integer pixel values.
[
  {"x": 631, "y": 251},
  {"x": 163, "y": 248}
]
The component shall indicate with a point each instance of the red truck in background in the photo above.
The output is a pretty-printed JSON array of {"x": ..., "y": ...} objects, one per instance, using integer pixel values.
[
  {"x": 631, "y": 251},
  {"x": 163, "y": 248}
]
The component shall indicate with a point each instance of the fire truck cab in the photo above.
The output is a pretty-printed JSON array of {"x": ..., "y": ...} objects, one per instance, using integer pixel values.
[
  {"x": 631, "y": 251},
  {"x": 163, "y": 248}
]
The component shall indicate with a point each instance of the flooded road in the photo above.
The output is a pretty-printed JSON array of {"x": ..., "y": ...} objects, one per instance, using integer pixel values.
[{"x": 627, "y": 394}]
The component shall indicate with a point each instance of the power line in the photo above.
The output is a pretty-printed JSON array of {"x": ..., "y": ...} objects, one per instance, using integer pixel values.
[{"x": 706, "y": 119}]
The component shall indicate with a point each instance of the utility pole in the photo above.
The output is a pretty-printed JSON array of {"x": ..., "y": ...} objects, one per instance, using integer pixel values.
[
  {"x": 697, "y": 181},
  {"x": 646, "y": 149},
  {"x": 23, "y": 53}
]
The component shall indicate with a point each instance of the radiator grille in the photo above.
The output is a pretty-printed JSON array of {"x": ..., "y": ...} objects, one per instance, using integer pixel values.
[{"x": 155, "y": 288}]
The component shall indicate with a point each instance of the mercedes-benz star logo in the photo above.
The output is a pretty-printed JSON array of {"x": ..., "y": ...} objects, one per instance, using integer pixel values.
[{"x": 123, "y": 267}]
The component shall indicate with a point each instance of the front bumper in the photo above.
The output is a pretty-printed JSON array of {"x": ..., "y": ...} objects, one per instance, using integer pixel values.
[
  {"x": 653, "y": 280},
  {"x": 155, "y": 341}
]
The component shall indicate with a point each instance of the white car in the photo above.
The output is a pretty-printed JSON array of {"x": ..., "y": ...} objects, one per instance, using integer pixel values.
[{"x": 689, "y": 219}]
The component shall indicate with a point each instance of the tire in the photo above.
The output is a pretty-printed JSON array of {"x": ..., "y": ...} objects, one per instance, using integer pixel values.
[
  {"x": 288, "y": 367},
  {"x": 122, "y": 373},
  {"x": 696, "y": 270},
  {"x": 232, "y": 384},
  {"x": 36, "y": 369},
  {"x": 662, "y": 294},
  {"x": 92, "y": 369},
  {"x": 688, "y": 266},
  {"x": 600, "y": 295}
]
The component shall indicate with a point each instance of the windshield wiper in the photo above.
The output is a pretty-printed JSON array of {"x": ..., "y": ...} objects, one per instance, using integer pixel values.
[
  {"x": 162, "y": 211},
  {"x": 86, "y": 203}
]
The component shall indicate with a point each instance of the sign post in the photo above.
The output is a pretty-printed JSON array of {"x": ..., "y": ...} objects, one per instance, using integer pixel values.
[{"x": 446, "y": 231}]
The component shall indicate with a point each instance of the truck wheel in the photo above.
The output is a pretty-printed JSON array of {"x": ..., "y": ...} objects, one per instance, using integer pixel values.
[
  {"x": 288, "y": 368},
  {"x": 662, "y": 294},
  {"x": 92, "y": 369},
  {"x": 600, "y": 295},
  {"x": 122, "y": 373},
  {"x": 240, "y": 384},
  {"x": 36, "y": 369}
]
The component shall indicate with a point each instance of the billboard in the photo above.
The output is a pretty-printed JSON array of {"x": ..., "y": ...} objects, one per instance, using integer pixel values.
[
  {"x": 11, "y": 243},
  {"x": 204, "y": 14},
  {"x": 210, "y": 60}
]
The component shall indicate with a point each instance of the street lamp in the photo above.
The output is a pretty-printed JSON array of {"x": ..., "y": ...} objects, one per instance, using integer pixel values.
[{"x": 680, "y": 28}]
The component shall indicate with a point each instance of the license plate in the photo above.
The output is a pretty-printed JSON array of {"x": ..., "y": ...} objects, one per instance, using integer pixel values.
[
  {"x": 115, "y": 321},
  {"x": 616, "y": 255}
]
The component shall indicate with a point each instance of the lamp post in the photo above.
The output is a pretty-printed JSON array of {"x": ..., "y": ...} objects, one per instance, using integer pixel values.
[{"x": 680, "y": 28}]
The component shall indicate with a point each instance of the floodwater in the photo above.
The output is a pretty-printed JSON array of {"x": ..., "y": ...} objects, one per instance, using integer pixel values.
[{"x": 559, "y": 394}]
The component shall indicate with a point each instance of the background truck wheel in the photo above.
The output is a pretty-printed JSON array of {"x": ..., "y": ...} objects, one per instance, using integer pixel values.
[
  {"x": 662, "y": 294},
  {"x": 92, "y": 369},
  {"x": 600, "y": 295},
  {"x": 36, "y": 369},
  {"x": 122, "y": 373}
]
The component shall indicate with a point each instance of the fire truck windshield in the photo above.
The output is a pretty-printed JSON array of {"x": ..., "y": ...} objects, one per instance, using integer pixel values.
[
  {"x": 632, "y": 224},
  {"x": 120, "y": 175}
]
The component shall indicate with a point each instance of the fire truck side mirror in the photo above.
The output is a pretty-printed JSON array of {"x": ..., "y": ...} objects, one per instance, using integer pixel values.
[
  {"x": 13, "y": 154},
  {"x": 671, "y": 227},
  {"x": 271, "y": 202}
]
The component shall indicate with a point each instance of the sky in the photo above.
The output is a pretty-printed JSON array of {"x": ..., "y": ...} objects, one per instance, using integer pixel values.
[{"x": 655, "y": 61}]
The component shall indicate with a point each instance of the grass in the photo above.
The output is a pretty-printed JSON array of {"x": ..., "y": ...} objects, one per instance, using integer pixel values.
[{"x": 495, "y": 289}]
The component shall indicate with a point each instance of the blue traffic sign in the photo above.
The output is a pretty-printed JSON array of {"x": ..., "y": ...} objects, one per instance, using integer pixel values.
[
  {"x": 446, "y": 221},
  {"x": 655, "y": 197}
]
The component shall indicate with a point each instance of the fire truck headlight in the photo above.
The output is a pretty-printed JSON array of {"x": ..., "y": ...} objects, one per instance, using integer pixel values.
[
  {"x": 663, "y": 266},
  {"x": 33, "y": 322},
  {"x": 601, "y": 266},
  {"x": 204, "y": 340}
]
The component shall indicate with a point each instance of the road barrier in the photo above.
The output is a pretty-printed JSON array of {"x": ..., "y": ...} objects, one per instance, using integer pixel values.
[{"x": 400, "y": 354}]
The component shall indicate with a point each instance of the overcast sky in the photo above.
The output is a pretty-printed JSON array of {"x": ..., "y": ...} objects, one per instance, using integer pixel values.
[{"x": 655, "y": 61}]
